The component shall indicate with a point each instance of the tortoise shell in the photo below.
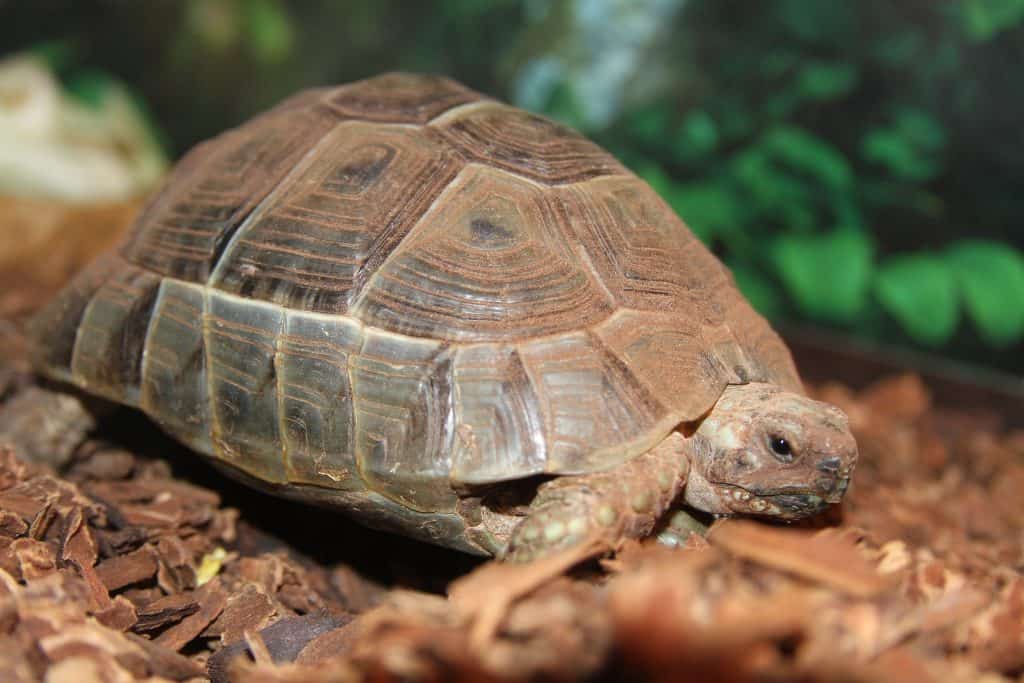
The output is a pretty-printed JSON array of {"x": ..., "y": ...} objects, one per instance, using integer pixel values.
[{"x": 381, "y": 294}]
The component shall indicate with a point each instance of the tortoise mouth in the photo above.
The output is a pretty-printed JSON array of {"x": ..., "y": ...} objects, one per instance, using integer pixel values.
[{"x": 787, "y": 502}]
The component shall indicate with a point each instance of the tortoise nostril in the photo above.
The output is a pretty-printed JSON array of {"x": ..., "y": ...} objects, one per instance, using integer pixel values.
[{"x": 829, "y": 465}]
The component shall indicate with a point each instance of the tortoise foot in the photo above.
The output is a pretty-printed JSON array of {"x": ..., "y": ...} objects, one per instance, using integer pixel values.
[
  {"x": 554, "y": 527},
  {"x": 609, "y": 506}
]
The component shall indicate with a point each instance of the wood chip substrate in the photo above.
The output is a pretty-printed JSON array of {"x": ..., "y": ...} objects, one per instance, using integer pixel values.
[{"x": 124, "y": 558}]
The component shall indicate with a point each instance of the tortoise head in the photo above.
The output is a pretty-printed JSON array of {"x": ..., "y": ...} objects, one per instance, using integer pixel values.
[{"x": 765, "y": 451}]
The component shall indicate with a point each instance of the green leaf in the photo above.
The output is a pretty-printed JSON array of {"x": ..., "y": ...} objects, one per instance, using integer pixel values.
[
  {"x": 270, "y": 30},
  {"x": 991, "y": 278},
  {"x": 89, "y": 86},
  {"x": 735, "y": 117},
  {"x": 904, "y": 46},
  {"x": 708, "y": 208},
  {"x": 759, "y": 290},
  {"x": 814, "y": 80},
  {"x": 809, "y": 154},
  {"x": 983, "y": 19},
  {"x": 910, "y": 147},
  {"x": 776, "y": 63},
  {"x": 828, "y": 276},
  {"x": 920, "y": 292},
  {"x": 848, "y": 212},
  {"x": 826, "y": 80},
  {"x": 885, "y": 147},
  {"x": 649, "y": 125},
  {"x": 921, "y": 128},
  {"x": 696, "y": 137},
  {"x": 791, "y": 177},
  {"x": 772, "y": 192},
  {"x": 818, "y": 22}
]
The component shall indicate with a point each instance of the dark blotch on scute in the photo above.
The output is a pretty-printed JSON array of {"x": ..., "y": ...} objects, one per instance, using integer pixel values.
[
  {"x": 486, "y": 233},
  {"x": 359, "y": 174}
]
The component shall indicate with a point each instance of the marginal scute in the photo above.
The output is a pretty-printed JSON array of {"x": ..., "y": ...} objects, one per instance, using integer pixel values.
[
  {"x": 175, "y": 392},
  {"x": 330, "y": 223},
  {"x": 241, "y": 342},
  {"x": 400, "y": 98},
  {"x": 403, "y": 426},
  {"x": 594, "y": 410},
  {"x": 489, "y": 262},
  {"x": 526, "y": 144},
  {"x": 108, "y": 349},
  {"x": 498, "y": 425},
  {"x": 182, "y": 232},
  {"x": 315, "y": 399},
  {"x": 379, "y": 512},
  {"x": 54, "y": 329},
  {"x": 441, "y": 528}
]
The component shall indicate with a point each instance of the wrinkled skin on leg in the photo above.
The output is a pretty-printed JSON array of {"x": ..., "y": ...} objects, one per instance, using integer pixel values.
[{"x": 759, "y": 451}]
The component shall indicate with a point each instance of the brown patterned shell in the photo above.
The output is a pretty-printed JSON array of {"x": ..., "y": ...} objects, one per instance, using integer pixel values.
[{"x": 388, "y": 288}]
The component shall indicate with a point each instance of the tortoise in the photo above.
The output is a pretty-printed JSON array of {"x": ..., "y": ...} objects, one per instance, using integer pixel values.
[{"x": 450, "y": 318}]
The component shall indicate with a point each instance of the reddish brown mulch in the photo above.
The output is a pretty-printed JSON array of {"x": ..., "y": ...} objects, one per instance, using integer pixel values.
[{"x": 115, "y": 568}]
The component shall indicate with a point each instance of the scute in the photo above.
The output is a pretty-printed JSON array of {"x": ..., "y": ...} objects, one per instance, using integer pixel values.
[
  {"x": 327, "y": 226},
  {"x": 183, "y": 231},
  {"x": 489, "y": 262},
  {"x": 526, "y": 144},
  {"x": 642, "y": 252},
  {"x": 241, "y": 345},
  {"x": 55, "y": 327},
  {"x": 175, "y": 390},
  {"x": 399, "y": 98},
  {"x": 314, "y": 389},
  {"x": 499, "y": 429},
  {"x": 594, "y": 409},
  {"x": 109, "y": 343},
  {"x": 402, "y": 391}
]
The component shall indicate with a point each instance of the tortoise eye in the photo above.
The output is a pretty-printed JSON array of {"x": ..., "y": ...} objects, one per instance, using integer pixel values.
[{"x": 781, "y": 448}]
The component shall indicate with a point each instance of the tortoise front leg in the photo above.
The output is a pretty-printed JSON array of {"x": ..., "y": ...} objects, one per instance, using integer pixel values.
[
  {"x": 619, "y": 503},
  {"x": 679, "y": 527}
]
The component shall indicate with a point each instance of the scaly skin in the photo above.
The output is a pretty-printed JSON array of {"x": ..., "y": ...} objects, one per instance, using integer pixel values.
[
  {"x": 623, "y": 502},
  {"x": 727, "y": 466}
]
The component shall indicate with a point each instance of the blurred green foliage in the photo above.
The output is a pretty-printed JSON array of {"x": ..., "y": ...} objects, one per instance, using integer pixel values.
[
  {"x": 984, "y": 18},
  {"x": 260, "y": 28},
  {"x": 857, "y": 165},
  {"x": 817, "y": 148}
]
